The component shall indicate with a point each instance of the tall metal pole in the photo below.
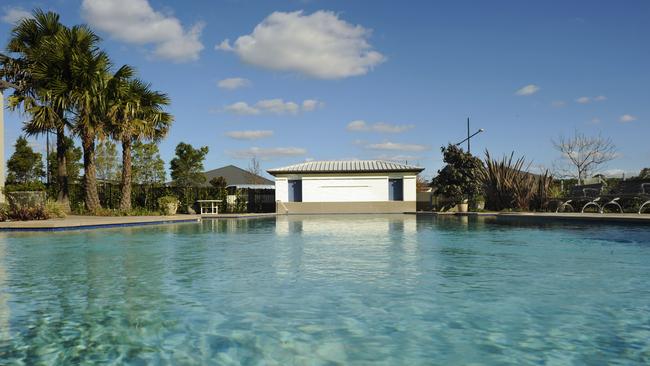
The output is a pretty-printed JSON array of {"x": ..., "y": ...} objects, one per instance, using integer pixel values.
[
  {"x": 468, "y": 136},
  {"x": 2, "y": 146}
]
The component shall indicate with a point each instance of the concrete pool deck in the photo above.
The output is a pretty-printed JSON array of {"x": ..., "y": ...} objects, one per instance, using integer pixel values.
[
  {"x": 74, "y": 222},
  {"x": 552, "y": 216}
]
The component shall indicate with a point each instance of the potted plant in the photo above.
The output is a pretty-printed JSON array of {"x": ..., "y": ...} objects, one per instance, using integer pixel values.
[
  {"x": 168, "y": 205},
  {"x": 477, "y": 203},
  {"x": 459, "y": 180}
]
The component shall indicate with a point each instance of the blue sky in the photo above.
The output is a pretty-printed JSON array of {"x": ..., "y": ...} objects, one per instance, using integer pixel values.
[{"x": 380, "y": 79}]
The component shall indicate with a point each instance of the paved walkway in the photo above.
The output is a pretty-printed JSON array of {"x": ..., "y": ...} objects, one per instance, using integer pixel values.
[
  {"x": 88, "y": 222},
  {"x": 73, "y": 222}
]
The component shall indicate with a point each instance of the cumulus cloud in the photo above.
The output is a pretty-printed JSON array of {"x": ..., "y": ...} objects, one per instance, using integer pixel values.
[
  {"x": 627, "y": 118},
  {"x": 273, "y": 106},
  {"x": 529, "y": 89},
  {"x": 14, "y": 15},
  {"x": 583, "y": 100},
  {"x": 396, "y": 146},
  {"x": 319, "y": 45},
  {"x": 233, "y": 83},
  {"x": 558, "y": 103},
  {"x": 362, "y": 126},
  {"x": 267, "y": 153},
  {"x": 595, "y": 120},
  {"x": 249, "y": 134},
  {"x": 600, "y": 98},
  {"x": 136, "y": 22}
]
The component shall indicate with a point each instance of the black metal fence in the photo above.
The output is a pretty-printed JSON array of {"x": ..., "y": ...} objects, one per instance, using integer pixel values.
[{"x": 146, "y": 197}]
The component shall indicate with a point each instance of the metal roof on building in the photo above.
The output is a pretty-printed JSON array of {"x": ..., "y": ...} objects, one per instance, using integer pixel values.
[{"x": 346, "y": 166}]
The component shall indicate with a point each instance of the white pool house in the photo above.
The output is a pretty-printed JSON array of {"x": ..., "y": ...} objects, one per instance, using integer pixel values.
[{"x": 345, "y": 186}]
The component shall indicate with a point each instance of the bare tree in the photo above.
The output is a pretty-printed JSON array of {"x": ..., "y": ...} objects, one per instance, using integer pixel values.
[
  {"x": 254, "y": 171},
  {"x": 421, "y": 184},
  {"x": 582, "y": 155}
]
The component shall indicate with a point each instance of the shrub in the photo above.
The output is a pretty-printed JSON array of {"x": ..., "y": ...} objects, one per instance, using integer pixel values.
[
  {"x": 4, "y": 212},
  {"x": 27, "y": 205},
  {"x": 25, "y": 213},
  {"x": 168, "y": 204},
  {"x": 54, "y": 209},
  {"x": 460, "y": 179},
  {"x": 508, "y": 185},
  {"x": 25, "y": 187}
]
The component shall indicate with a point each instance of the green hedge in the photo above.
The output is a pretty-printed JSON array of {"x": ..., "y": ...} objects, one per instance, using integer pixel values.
[{"x": 146, "y": 196}]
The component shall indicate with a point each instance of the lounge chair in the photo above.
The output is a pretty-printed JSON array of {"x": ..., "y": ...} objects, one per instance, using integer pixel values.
[
  {"x": 587, "y": 194},
  {"x": 627, "y": 190}
]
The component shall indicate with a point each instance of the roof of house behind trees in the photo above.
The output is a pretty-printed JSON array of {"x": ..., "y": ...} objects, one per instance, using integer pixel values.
[{"x": 236, "y": 176}]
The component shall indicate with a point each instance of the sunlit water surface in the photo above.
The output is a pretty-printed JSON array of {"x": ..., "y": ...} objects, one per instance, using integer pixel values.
[{"x": 326, "y": 290}]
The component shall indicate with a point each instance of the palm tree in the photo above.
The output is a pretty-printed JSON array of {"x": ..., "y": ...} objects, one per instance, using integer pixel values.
[
  {"x": 35, "y": 75},
  {"x": 88, "y": 87},
  {"x": 136, "y": 114}
]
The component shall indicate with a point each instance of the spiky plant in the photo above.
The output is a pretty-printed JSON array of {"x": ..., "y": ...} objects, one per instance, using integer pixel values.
[{"x": 509, "y": 185}]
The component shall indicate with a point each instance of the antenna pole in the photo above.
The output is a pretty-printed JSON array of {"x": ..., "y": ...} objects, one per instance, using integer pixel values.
[{"x": 468, "y": 137}]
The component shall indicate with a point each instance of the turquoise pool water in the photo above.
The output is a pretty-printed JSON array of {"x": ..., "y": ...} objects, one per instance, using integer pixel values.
[{"x": 327, "y": 290}]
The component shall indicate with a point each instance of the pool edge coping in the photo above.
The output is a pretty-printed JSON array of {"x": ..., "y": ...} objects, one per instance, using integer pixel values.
[{"x": 547, "y": 216}]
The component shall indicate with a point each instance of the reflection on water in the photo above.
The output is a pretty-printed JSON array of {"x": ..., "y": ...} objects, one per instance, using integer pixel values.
[
  {"x": 345, "y": 246},
  {"x": 393, "y": 289}
]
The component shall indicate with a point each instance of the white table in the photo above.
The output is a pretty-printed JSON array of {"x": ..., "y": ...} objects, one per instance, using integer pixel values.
[{"x": 209, "y": 207}]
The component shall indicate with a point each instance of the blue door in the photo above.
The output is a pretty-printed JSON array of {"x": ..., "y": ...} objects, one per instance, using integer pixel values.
[
  {"x": 295, "y": 191},
  {"x": 396, "y": 190}
]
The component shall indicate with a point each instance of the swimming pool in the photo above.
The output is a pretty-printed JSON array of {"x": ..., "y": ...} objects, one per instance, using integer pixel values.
[{"x": 392, "y": 290}]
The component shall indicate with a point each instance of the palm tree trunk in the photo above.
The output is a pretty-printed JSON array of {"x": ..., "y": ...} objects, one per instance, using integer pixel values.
[
  {"x": 63, "y": 195},
  {"x": 90, "y": 174},
  {"x": 125, "y": 202}
]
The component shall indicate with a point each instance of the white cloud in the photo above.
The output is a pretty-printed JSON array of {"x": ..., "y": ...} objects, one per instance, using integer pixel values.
[
  {"x": 595, "y": 120},
  {"x": 267, "y": 153},
  {"x": 233, "y": 83},
  {"x": 397, "y": 146},
  {"x": 311, "y": 105},
  {"x": 529, "y": 89},
  {"x": 242, "y": 108},
  {"x": 362, "y": 126},
  {"x": 558, "y": 103},
  {"x": 357, "y": 125},
  {"x": 587, "y": 100},
  {"x": 14, "y": 15},
  {"x": 277, "y": 106},
  {"x": 319, "y": 45},
  {"x": 399, "y": 157},
  {"x": 627, "y": 118},
  {"x": 224, "y": 45},
  {"x": 273, "y": 106},
  {"x": 136, "y": 22},
  {"x": 249, "y": 134}
]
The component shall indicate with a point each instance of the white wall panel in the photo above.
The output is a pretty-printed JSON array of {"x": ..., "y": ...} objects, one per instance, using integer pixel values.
[
  {"x": 352, "y": 188},
  {"x": 341, "y": 189},
  {"x": 281, "y": 189}
]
